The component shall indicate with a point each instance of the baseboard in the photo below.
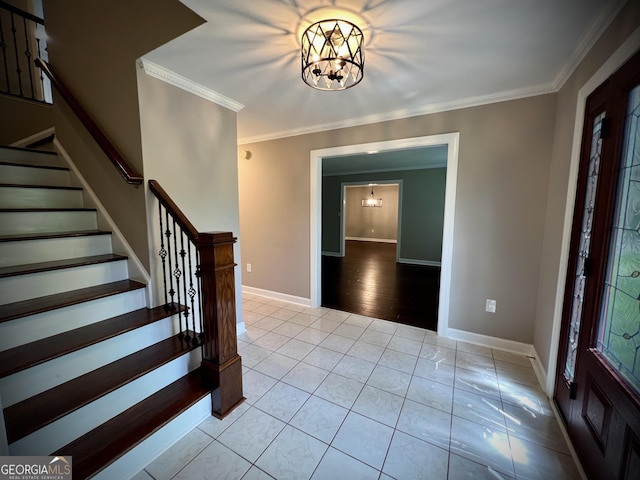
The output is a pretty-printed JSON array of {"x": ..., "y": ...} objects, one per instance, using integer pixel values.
[
  {"x": 412, "y": 261},
  {"x": 332, "y": 254},
  {"x": 240, "y": 328},
  {"x": 491, "y": 342},
  {"x": 367, "y": 239},
  {"x": 34, "y": 138},
  {"x": 276, "y": 295},
  {"x": 541, "y": 372}
]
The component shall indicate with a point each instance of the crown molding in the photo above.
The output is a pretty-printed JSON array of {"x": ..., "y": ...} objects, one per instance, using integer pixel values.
[
  {"x": 588, "y": 40},
  {"x": 177, "y": 80},
  {"x": 406, "y": 113}
]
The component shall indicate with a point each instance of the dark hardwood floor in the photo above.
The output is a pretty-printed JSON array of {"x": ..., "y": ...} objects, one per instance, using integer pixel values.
[{"x": 368, "y": 281}]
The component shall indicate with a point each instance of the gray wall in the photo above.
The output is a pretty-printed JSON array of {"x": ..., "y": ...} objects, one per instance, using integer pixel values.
[
  {"x": 551, "y": 267},
  {"x": 189, "y": 147},
  {"x": 371, "y": 222},
  {"x": 422, "y": 216},
  {"x": 21, "y": 119},
  {"x": 93, "y": 46},
  {"x": 503, "y": 170}
]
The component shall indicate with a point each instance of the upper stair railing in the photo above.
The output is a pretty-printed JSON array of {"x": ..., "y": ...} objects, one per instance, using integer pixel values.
[
  {"x": 22, "y": 38},
  {"x": 208, "y": 289},
  {"x": 123, "y": 167}
]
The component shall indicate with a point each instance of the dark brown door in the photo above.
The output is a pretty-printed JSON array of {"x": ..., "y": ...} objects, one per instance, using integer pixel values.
[{"x": 598, "y": 378}]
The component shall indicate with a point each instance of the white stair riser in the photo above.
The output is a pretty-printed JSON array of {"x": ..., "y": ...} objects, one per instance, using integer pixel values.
[
  {"x": 23, "y": 197},
  {"x": 136, "y": 459},
  {"x": 37, "y": 379},
  {"x": 34, "y": 285},
  {"x": 72, "y": 426},
  {"x": 36, "y": 327},
  {"x": 34, "y": 176},
  {"x": 46, "y": 222},
  {"x": 11, "y": 155},
  {"x": 49, "y": 249}
]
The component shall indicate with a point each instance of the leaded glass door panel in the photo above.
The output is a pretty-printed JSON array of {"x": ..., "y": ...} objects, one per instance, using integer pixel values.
[
  {"x": 618, "y": 340},
  {"x": 598, "y": 376}
]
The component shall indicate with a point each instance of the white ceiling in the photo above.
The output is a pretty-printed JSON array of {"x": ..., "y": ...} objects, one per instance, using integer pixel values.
[{"x": 420, "y": 56}]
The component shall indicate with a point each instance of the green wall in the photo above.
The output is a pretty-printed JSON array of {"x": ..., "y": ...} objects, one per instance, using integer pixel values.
[{"x": 422, "y": 210}]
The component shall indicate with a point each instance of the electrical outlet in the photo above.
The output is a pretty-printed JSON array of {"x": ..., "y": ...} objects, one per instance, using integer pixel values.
[
  {"x": 490, "y": 306},
  {"x": 249, "y": 267}
]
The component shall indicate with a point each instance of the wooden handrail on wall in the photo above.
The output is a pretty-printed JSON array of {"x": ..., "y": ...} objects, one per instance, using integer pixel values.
[
  {"x": 130, "y": 175},
  {"x": 221, "y": 364}
]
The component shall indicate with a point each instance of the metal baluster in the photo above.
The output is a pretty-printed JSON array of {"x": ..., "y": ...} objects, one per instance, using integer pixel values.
[
  {"x": 15, "y": 48},
  {"x": 184, "y": 287},
  {"x": 163, "y": 256},
  {"x": 172, "y": 292},
  {"x": 42, "y": 75},
  {"x": 27, "y": 54},
  {"x": 177, "y": 274},
  {"x": 192, "y": 293},
  {"x": 3, "y": 47},
  {"x": 199, "y": 275}
]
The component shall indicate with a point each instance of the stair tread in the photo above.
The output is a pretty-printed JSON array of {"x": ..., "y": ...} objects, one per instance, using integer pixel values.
[
  {"x": 45, "y": 235},
  {"x": 47, "y": 187},
  {"x": 28, "y": 268},
  {"x": 35, "y": 146},
  {"x": 11, "y": 311},
  {"x": 27, "y": 165},
  {"x": 26, "y": 356},
  {"x": 35, "y": 412},
  {"x": 92, "y": 453},
  {"x": 28, "y": 210},
  {"x": 29, "y": 150}
]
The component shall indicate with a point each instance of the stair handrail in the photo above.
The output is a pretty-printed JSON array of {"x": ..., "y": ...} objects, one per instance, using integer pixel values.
[
  {"x": 166, "y": 201},
  {"x": 112, "y": 153},
  {"x": 210, "y": 290}
]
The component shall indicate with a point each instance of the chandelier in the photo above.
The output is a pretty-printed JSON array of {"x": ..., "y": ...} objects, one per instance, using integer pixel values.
[
  {"x": 372, "y": 201},
  {"x": 332, "y": 55}
]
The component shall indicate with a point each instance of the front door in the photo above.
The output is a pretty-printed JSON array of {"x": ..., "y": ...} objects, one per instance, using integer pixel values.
[{"x": 598, "y": 378}]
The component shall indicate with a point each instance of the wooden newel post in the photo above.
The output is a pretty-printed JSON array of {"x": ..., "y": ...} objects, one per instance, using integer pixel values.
[{"x": 220, "y": 359}]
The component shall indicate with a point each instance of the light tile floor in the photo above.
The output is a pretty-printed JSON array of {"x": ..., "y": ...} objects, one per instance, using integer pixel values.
[{"x": 332, "y": 395}]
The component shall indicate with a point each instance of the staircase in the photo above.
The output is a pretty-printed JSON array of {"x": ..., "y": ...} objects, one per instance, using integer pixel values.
[{"x": 86, "y": 369}]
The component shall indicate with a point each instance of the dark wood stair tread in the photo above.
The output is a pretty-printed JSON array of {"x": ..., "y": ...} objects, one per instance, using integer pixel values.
[
  {"x": 35, "y": 146},
  {"x": 46, "y": 187},
  {"x": 24, "y": 418},
  {"x": 30, "y": 149},
  {"x": 12, "y": 311},
  {"x": 34, "y": 353},
  {"x": 16, "y": 237},
  {"x": 45, "y": 210},
  {"x": 100, "y": 447},
  {"x": 28, "y": 268},
  {"x": 27, "y": 165}
]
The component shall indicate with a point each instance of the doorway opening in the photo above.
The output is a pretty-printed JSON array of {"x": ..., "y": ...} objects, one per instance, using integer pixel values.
[
  {"x": 450, "y": 141},
  {"x": 370, "y": 212}
]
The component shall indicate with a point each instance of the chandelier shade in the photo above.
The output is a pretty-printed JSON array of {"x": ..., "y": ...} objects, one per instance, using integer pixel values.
[{"x": 332, "y": 55}]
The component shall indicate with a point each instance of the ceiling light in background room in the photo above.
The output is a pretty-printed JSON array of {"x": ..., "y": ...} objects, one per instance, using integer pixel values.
[
  {"x": 332, "y": 55},
  {"x": 372, "y": 201}
]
